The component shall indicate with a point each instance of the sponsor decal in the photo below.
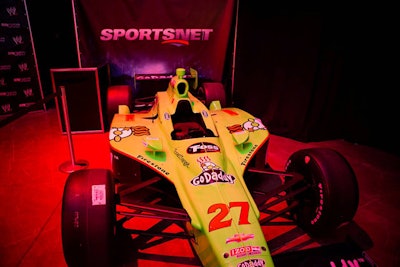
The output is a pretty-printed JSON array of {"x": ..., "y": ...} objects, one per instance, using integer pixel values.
[
  {"x": 203, "y": 147},
  {"x": 28, "y": 92},
  {"x": 152, "y": 164},
  {"x": 12, "y": 11},
  {"x": 230, "y": 112},
  {"x": 23, "y": 67},
  {"x": 16, "y": 53},
  {"x": 251, "y": 125},
  {"x": 99, "y": 194},
  {"x": 181, "y": 158},
  {"x": 140, "y": 130},
  {"x": 152, "y": 77},
  {"x": 22, "y": 80},
  {"x": 167, "y": 116},
  {"x": 248, "y": 155},
  {"x": 25, "y": 105},
  {"x": 321, "y": 195},
  {"x": 235, "y": 128},
  {"x": 119, "y": 133},
  {"x": 206, "y": 164},
  {"x": 159, "y": 77},
  {"x": 211, "y": 174},
  {"x": 348, "y": 263},
  {"x": 245, "y": 250},
  {"x": 320, "y": 208},
  {"x": 129, "y": 117},
  {"x": 6, "y": 108},
  {"x": 5, "y": 67},
  {"x": 76, "y": 219},
  {"x": 178, "y": 37},
  {"x": 11, "y": 25},
  {"x": 252, "y": 263},
  {"x": 239, "y": 238},
  {"x": 18, "y": 40},
  {"x": 9, "y": 93}
]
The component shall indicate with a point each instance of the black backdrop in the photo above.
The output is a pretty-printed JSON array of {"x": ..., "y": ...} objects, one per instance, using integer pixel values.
[
  {"x": 311, "y": 72},
  {"x": 320, "y": 72}
]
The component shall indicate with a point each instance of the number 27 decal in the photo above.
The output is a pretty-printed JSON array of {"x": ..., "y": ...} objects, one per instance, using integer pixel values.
[{"x": 220, "y": 221}]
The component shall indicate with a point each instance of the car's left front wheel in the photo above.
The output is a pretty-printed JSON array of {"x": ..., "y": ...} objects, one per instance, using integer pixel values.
[{"x": 88, "y": 218}]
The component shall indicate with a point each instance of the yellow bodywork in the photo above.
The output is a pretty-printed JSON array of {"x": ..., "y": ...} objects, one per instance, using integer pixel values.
[{"x": 207, "y": 171}]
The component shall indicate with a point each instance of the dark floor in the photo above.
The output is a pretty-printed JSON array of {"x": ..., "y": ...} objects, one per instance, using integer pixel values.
[{"x": 31, "y": 185}]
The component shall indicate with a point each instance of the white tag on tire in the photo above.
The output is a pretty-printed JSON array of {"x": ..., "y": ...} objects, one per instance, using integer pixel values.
[{"x": 98, "y": 194}]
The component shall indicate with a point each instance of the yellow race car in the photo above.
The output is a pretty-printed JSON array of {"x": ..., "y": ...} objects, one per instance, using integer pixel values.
[{"x": 190, "y": 161}]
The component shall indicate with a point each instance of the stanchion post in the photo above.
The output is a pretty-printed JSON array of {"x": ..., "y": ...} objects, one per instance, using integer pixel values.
[{"x": 72, "y": 165}]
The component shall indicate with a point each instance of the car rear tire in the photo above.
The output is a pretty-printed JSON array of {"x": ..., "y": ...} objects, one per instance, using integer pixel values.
[
  {"x": 88, "y": 218},
  {"x": 117, "y": 95},
  {"x": 212, "y": 91},
  {"x": 332, "y": 196}
]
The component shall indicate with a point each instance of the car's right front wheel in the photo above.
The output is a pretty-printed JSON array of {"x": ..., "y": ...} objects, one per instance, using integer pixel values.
[{"x": 327, "y": 196}]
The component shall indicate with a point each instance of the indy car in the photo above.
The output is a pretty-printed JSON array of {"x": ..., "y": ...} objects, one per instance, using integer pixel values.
[{"x": 183, "y": 158}]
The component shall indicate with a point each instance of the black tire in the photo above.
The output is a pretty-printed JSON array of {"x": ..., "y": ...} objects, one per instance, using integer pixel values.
[
  {"x": 332, "y": 197},
  {"x": 88, "y": 224},
  {"x": 211, "y": 91},
  {"x": 117, "y": 95}
]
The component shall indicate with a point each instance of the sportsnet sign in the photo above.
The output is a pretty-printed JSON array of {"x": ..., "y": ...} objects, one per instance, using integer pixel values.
[
  {"x": 166, "y": 36},
  {"x": 154, "y": 36}
]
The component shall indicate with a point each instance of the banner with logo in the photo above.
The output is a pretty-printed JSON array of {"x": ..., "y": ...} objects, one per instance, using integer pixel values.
[
  {"x": 154, "y": 36},
  {"x": 19, "y": 82}
]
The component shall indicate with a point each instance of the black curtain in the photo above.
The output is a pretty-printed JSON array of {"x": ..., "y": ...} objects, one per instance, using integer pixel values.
[{"x": 315, "y": 73}]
